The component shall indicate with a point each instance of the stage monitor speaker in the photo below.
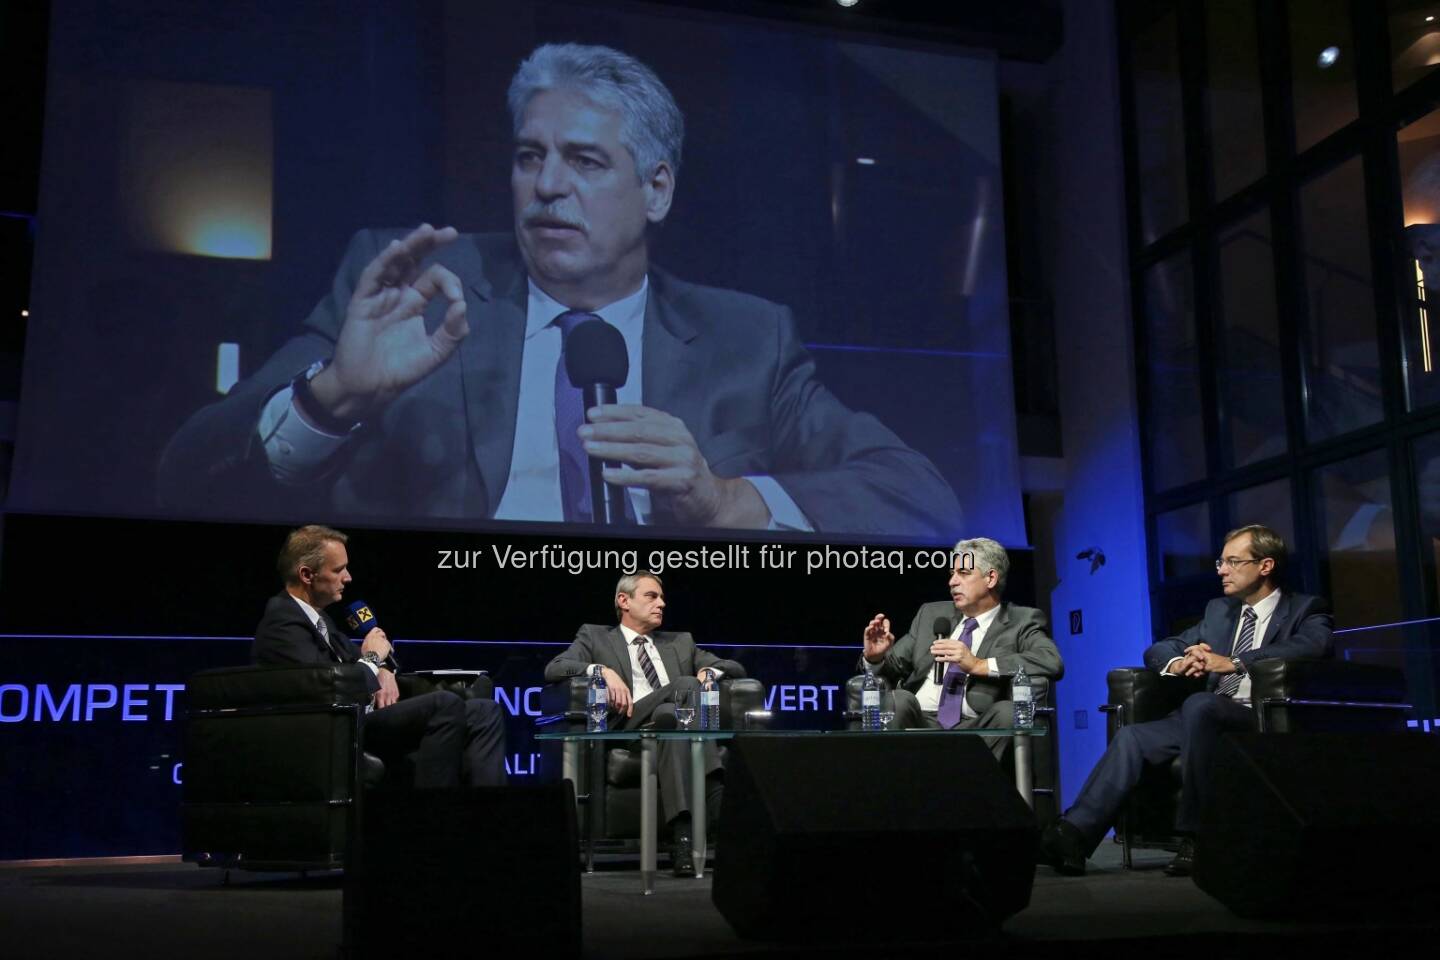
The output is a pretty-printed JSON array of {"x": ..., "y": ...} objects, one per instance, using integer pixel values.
[
  {"x": 493, "y": 871},
  {"x": 1299, "y": 824},
  {"x": 815, "y": 831}
]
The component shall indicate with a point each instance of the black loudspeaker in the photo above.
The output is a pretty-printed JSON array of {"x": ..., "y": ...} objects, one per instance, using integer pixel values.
[
  {"x": 487, "y": 870},
  {"x": 817, "y": 830},
  {"x": 1302, "y": 824}
]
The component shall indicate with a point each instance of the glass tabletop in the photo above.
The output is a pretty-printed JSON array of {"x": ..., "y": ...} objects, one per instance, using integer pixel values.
[{"x": 693, "y": 735}]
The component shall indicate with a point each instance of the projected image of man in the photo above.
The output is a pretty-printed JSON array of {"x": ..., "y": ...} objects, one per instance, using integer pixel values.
[{"x": 431, "y": 382}]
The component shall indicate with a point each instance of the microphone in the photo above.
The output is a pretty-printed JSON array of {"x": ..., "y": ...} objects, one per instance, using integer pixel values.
[
  {"x": 597, "y": 364},
  {"x": 942, "y": 628},
  {"x": 360, "y": 620}
]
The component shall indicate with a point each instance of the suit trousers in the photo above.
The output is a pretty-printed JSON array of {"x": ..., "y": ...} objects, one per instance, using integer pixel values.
[
  {"x": 447, "y": 739},
  {"x": 1191, "y": 732},
  {"x": 672, "y": 767},
  {"x": 909, "y": 716}
]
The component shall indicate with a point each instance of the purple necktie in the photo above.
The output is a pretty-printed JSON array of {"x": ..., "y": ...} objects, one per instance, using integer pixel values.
[
  {"x": 569, "y": 415},
  {"x": 952, "y": 685}
]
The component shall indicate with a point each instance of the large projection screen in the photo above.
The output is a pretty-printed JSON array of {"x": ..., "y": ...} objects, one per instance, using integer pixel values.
[{"x": 824, "y": 309}]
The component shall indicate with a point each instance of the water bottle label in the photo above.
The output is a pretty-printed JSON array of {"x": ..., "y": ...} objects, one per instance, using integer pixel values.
[
  {"x": 712, "y": 698},
  {"x": 870, "y": 698}
]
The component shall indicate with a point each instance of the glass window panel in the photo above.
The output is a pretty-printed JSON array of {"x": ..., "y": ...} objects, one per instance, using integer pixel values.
[
  {"x": 1268, "y": 503},
  {"x": 1177, "y": 439},
  {"x": 1251, "y": 391},
  {"x": 1184, "y": 536},
  {"x": 1418, "y": 150},
  {"x": 1356, "y": 526},
  {"x": 1322, "y": 69},
  {"x": 1159, "y": 128},
  {"x": 1233, "y": 110},
  {"x": 1414, "y": 39},
  {"x": 1342, "y": 361}
]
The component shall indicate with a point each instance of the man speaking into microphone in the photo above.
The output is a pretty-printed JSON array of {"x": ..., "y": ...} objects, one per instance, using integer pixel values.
[
  {"x": 961, "y": 678},
  {"x": 450, "y": 740}
]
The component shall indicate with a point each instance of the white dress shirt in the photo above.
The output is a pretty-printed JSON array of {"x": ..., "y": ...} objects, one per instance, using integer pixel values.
[
  {"x": 929, "y": 692},
  {"x": 298, "y": 451},
  {"x": 640, "y": 684},
  {"x": 1264, "y": 610}
]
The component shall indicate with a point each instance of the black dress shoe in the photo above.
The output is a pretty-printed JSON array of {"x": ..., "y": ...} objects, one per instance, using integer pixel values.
[
  {"x": 682, "y": 860},
  {"x": 1184, "y": 863},
  {"x": 1064, "y": 848}
]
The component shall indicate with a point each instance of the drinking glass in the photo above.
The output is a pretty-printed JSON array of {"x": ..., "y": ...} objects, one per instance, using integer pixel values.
[{"x": 685, "y": 710}]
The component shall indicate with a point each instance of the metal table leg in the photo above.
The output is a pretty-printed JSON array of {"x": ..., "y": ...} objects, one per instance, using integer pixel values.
[
  {"x": 697, "y": 805},
  {"x": 647, "y": 813},
  {"x": 1024, "y": 781}
]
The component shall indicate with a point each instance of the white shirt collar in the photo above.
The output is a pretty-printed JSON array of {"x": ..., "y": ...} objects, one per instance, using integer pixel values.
[
  {"x": 982, "y": 620},
  {"x": 630, "y": 635},
  {"x": 1265, "y": 607},
  {"x": 627, "y": 313}
]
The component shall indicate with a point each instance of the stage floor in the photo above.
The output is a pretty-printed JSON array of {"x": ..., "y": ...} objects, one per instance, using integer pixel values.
[{"x": 170, "y": 909}]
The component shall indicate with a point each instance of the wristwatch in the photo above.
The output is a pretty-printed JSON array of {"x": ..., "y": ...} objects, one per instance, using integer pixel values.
[
  {"x": 373, "y": 659},
  {"x": 302, "y": 396},
  {"x": 1239, "y": 665}
]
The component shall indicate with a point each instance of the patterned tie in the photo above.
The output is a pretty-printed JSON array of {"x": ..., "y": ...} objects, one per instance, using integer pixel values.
[
  {"x": 325, "y": 635},
  {"x": 952, "y": 692},
  {"x": 1231, "y": 682},
  {"x": 569, "y": 415},
  {"x": 645, "y": 663}
]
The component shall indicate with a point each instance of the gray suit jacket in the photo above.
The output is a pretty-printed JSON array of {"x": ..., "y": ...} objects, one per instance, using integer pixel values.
[
  {"x": 1018, "y": 635},
  {"x": 728, "y": 364},
  {"x": 1300, "y": 627},
  {"x": 606, "y": 646}
]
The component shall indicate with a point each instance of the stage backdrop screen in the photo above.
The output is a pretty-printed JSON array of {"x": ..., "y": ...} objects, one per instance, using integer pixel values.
[{"x": 796, "y": 238}]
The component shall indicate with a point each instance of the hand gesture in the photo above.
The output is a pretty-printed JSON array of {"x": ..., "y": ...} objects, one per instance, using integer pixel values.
[
  {"x": 878, "y": 639},
  {"x": 383, "y": 347},
  {"x": 378, "y": 643}
]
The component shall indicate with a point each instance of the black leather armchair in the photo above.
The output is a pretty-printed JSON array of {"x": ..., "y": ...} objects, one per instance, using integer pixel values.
[
  {"x": 1044, "y": 750},
  {"x": 274, "y": 772},
  {"x": 607, "y": 781},
  {"x": 1289, "y": 696}
]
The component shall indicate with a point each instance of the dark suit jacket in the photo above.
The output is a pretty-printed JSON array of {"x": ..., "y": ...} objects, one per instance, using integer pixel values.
[
  {"x": 1300, "y": 627},
  {"x": 606, "y": 646},
  {"x": 286, "y": 636},
  {"x": 729, "y": 365},
  {"x": 1018, "y": 635}
]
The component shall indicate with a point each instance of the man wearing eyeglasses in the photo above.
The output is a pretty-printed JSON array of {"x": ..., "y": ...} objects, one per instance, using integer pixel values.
[{"x": 1254, "y": 621}]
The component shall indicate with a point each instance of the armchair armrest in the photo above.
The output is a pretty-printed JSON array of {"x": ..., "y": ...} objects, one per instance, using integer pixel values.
[
  {"x": 1138, "y": 694},
  {"x": 232, "y": 688},
  {"x": 1337, "y": 680}
]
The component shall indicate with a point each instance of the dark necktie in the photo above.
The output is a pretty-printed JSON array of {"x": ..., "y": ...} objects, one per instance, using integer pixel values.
[
  {"x": 1230, "y": 683},
  {"x": 952, "y": 685},
  {"x": 646, "y": 664},
  {"x": 569, "y": 415}
]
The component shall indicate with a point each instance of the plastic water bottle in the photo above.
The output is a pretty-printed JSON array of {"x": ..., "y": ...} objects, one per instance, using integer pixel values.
[
  {"x": 709, "y": 702},
  {"x": 596, "y": 702},
  {"x": 1022, "y": 694},
  {"x": 870, "y": 702}
]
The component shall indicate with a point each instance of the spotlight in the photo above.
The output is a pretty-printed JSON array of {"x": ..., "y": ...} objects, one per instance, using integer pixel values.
[
  {"x": 847, "y": 3},
  {"x": 1327, "y": 57},
  {"x": 865, "y": 161}
]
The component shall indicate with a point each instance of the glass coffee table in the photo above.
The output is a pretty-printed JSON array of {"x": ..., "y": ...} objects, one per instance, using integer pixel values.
[{"x": 696, "y": 738}]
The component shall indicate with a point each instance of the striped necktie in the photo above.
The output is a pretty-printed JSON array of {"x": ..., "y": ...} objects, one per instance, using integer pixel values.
[
  {"x": 1231, "y": 682},
  {"x": 646, "y": 664}
]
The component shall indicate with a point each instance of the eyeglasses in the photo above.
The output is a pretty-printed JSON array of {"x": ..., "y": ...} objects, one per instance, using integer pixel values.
[{"x": 1233, "y": 562}]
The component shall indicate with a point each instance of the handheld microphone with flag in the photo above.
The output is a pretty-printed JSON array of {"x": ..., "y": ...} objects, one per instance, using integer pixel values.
[
  {"x": 942, "y": 628},
  {"x": 597, "y": 364},
  {"x": 360, "y": 620}
]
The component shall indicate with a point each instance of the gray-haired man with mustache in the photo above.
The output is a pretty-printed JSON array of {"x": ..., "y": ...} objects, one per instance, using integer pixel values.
[{"x": 431, "y": 383}]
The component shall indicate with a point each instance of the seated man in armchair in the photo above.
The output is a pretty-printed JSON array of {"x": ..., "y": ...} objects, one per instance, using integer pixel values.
[
  {"x": 646, "y": 669},
  {"x": 1254, "y": 621}
]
